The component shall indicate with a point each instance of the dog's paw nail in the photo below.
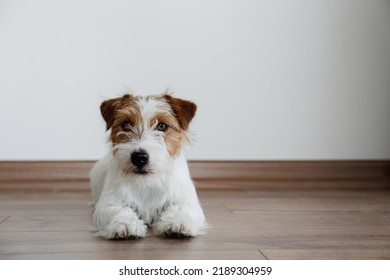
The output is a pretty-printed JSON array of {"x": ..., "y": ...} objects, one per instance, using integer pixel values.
[
  {"x": 131, "y": 237},
  {"x": 176, "y": 235}
]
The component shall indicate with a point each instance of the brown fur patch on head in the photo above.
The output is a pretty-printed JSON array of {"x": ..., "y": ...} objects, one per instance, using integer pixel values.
[
  {"x": 173, "y": 136},
  {"x": 183, "y": 110},
  {"x": 118, "y": 111},
  {"x": 109, "y": 107}
]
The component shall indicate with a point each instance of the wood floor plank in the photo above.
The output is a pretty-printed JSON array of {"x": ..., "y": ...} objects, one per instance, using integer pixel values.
[
  {"x": 47, "y": 223},
  {"x": 3, "y": 219},
  {"x": 274, "y": 224},
  {"x": 26, "y": 204},
  {"x": 85, "y": 242},
  {"x": 146, "y": 255},
  {"x": 309, "y": 201},
  {"x": 328, "y": 254}
]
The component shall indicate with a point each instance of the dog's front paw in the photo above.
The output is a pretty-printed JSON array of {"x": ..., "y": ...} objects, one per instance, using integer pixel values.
[
  {"x": 131, "y": 229},
  {"x": 173, "y": 230},
  {"x": 180, "y": 222}
]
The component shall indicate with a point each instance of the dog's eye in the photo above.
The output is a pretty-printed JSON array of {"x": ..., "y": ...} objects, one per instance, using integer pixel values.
[
  {"x": 126, "y": 126},
  {"x": 162, "y": 127}
]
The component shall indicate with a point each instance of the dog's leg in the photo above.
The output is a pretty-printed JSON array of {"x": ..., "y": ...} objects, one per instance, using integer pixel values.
[
  {"x": 181, "y": 221},
  {"x": 113, "y": 222}
]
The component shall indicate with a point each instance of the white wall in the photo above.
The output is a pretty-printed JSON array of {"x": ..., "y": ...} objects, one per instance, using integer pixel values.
[{"x": 273, "y": 79}]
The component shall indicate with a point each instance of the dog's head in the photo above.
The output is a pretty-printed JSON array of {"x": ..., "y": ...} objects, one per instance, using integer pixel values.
[{"x": 147, "y": 132}]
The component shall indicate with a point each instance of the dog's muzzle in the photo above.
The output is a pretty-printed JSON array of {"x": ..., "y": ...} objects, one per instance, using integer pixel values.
[{"x": 140, "y": 160}]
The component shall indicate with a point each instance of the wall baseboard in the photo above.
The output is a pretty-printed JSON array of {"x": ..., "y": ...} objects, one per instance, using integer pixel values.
[{"x": 74, "y": 175}]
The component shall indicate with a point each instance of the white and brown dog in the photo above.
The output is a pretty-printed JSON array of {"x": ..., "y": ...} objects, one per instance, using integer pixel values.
[{"x": 144, "y": 180}]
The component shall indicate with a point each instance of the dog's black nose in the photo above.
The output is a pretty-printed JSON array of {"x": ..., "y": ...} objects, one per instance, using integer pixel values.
[{"x": 140, "y": 159}]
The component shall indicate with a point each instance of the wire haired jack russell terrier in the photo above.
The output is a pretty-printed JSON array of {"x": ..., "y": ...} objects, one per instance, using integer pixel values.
[{"x": 144, "y": 179}]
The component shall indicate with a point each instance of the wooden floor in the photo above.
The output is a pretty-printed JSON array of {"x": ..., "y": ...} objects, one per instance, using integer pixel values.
[{"x": 260, "y": 224}]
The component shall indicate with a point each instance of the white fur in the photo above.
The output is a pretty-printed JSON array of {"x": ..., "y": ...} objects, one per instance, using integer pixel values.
[{"x": 126, "y": 203}]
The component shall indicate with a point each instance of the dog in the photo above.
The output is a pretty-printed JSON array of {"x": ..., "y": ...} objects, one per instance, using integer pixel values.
[{"x": 144, "y": 180}]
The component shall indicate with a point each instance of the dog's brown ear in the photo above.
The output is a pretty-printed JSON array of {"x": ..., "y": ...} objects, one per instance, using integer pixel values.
[
  {"x": 109, "y": 107},
  {"x": 184, "y": 110}
]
